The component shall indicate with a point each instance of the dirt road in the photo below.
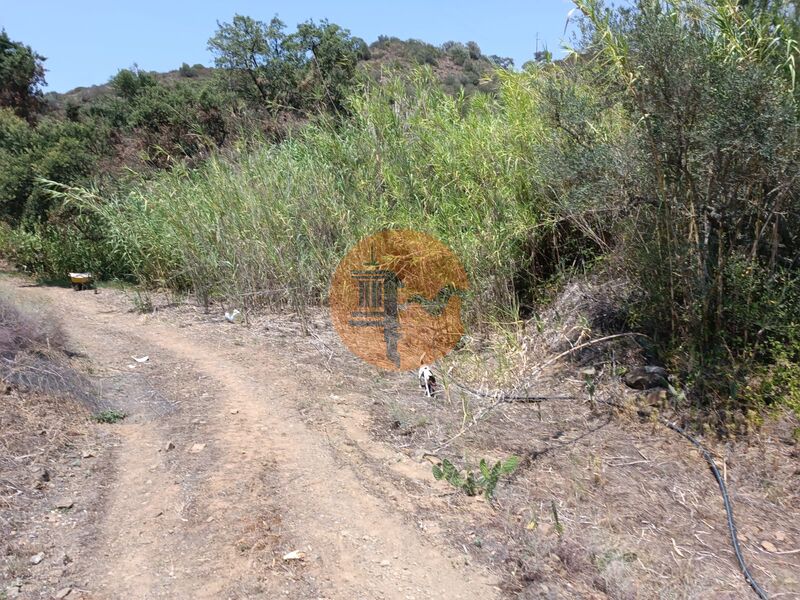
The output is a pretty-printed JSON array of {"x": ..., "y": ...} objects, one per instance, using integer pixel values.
[{"x": 219, "y": 470}]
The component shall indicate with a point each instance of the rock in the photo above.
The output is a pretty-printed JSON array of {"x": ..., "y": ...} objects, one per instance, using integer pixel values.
[
  {"x": 87, "y": 454},
  {"x": 63, "y": 593},
  {"x": 65, "y": 504},
  {"x": 37, "y": 558},
  {"x": 234, "y": 411},
  {"x": 768, "y": 546},
  {"x": 44, "y": 475},
  {"x": 197, "y": 448},
  {"x": 385, "y": 563},
  {"x": 646, "y": 378},
  {"x": 780, "y": 536},
  {"x": 169, "y": 446}
]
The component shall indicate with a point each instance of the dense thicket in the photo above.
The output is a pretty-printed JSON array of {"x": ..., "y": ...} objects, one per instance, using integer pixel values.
[
  {"x": 663, "y": 154},
  {"x": 711, "y": 228}
]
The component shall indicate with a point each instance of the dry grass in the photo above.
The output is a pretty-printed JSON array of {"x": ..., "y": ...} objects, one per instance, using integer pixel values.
[
  {"x": 35, "y": 428},
  {"x": 44, "y": 404},
  {"x": 26, "y": 330},
  {"x": 34, "y": 355},
  {"x": 641, "y": 515}
]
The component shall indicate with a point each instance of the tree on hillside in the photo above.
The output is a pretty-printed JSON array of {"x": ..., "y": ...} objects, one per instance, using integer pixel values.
[
  {"x": 312, "y": 67},
  {"x": 503, "y": 62},
  {"x": 261, "y": 62},
  {"x": 129, "y": 83},
  {"x": 474, "y": 50},
  {"x": 333, "y": 55},
  {"x": 21, "y": 77}
]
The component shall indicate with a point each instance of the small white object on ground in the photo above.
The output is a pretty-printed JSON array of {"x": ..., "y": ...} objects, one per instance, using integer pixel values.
[
  {"x": 233, "y": 317},
  {"x": 294, "y": 555},
  {"x": 143, "y": 359}
]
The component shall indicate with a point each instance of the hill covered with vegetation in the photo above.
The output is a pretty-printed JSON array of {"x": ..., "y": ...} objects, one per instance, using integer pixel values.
[
  {"x": 266, "y": 82},
  {"x": 661, "y": 156}
]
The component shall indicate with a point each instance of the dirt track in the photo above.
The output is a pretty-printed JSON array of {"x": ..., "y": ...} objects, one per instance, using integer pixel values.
[
  {"x": 247, "y": 442},
  {"x": 216, "y": 475}
]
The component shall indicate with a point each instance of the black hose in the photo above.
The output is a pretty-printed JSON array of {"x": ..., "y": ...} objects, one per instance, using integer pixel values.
[
  {"x": 677, "y": 429},
  {"x": 728, "y": 507},
  {"x": 499, "y": 395},
  {"x": 725, "y": 499}
]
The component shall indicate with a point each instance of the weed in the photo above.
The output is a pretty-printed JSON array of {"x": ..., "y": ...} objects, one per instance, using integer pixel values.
[
  {"x": 559, "y": 527},
  {"x": 404, "y": 421},
  {"x": 485, "y": 481},
  {"x": 142, "y": 302},
  {"x": 109, "y": 416}
]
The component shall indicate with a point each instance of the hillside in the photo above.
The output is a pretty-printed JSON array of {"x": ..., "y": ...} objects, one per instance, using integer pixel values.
[
  {"x": 86, "y": 95},
  {"x": 457, "y": 66}
]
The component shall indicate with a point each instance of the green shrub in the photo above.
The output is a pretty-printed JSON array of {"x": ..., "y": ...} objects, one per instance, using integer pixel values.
[
  {"x": 485, "y": 481},
  {"x": 187, "y": 71},
  {"x": 280, "y": 217},
  {"x": 109, "y": 416},
  {"x": 710, "y": 226}
]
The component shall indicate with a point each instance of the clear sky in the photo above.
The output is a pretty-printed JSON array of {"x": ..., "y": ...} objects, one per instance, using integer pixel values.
[{"x": 88, "y": 41}]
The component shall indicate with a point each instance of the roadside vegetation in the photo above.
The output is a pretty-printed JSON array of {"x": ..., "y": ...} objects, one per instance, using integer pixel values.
[{"x": 662, "y": 153}]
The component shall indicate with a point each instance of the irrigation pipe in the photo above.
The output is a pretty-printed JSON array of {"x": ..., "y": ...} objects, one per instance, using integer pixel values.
[
  {"x": 728, "y": 506},
  {"x": 500, "y": 397}
]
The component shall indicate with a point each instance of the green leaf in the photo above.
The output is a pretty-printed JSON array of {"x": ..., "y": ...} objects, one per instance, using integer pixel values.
[
  {"x": 484, "y": 468},
  {"x": 510, "y": 465},
  {"x": 469, "y": 486}
]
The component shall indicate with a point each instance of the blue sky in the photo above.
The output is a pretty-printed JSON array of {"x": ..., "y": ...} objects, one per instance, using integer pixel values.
[{"x": 87, "y": 42}]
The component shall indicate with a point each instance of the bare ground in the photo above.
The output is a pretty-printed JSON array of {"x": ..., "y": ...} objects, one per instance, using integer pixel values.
[{"x": 245, "y": 443}]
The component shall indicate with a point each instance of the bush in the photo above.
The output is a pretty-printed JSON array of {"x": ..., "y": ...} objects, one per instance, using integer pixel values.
[
  {"x": 713, "y": 206},
  {"x": 187, "y": 71},
  {"x": 280, "y": 218},
  {"x": 423, "y": 53},
  {"x": 458, "y": 53},
  {"x": 55, "y": 149}
]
